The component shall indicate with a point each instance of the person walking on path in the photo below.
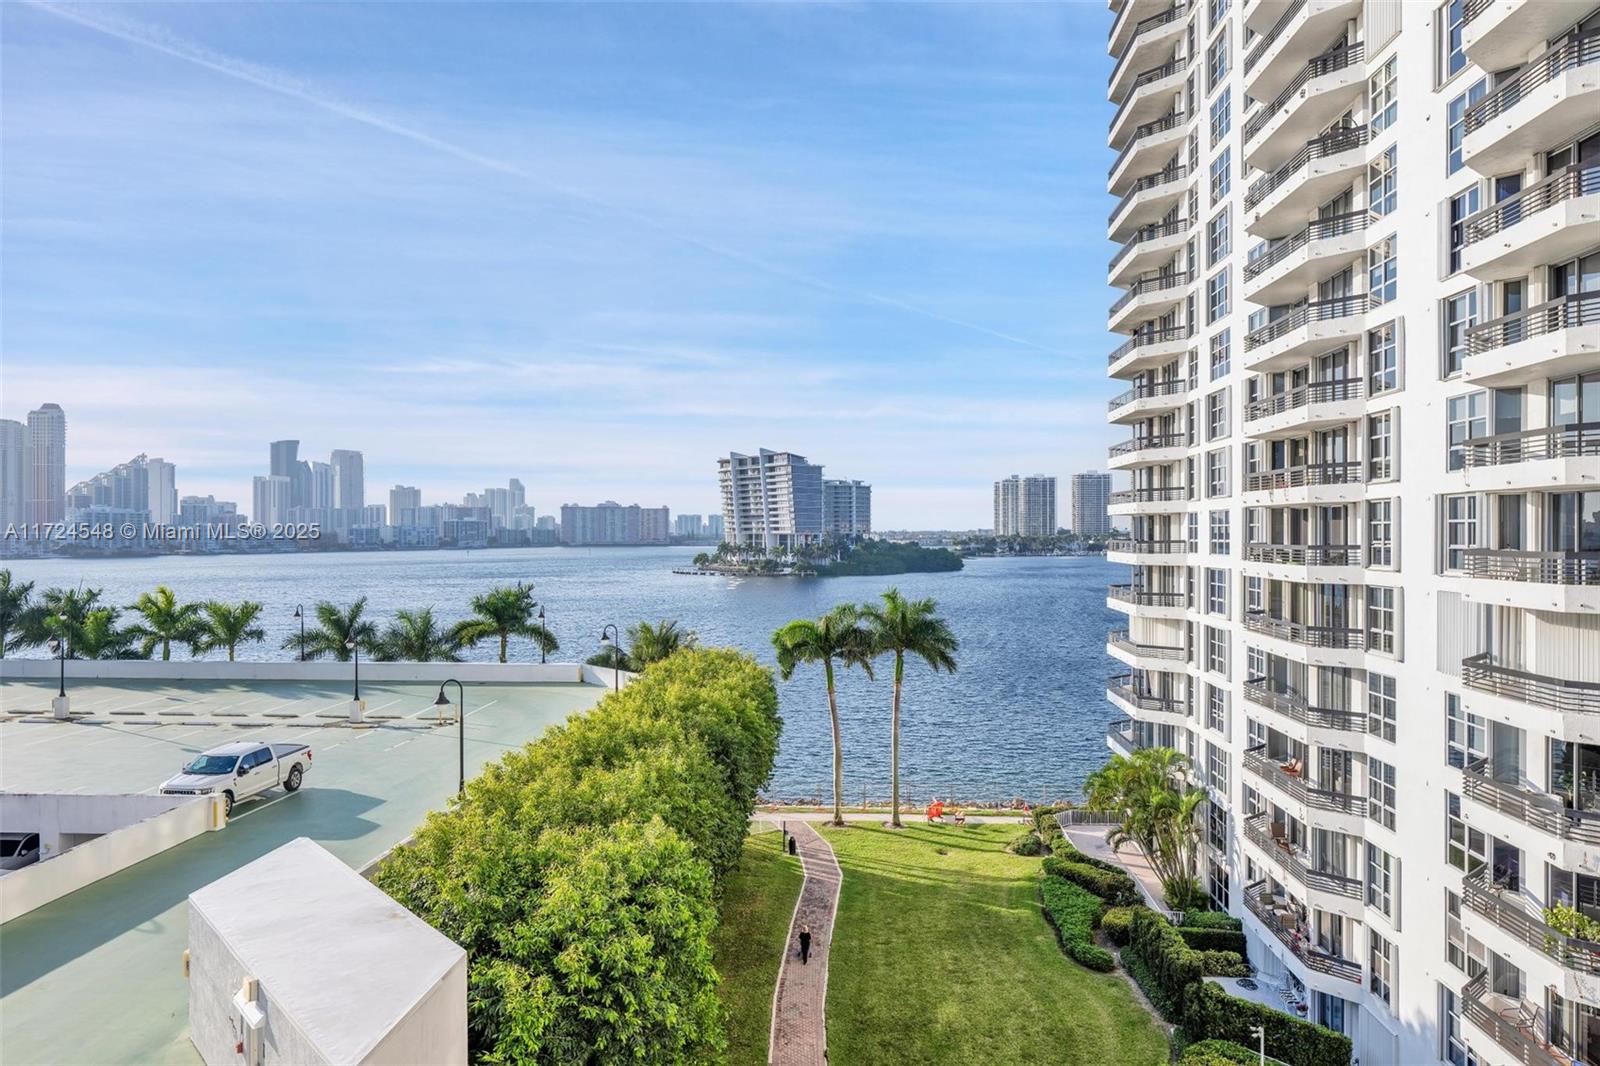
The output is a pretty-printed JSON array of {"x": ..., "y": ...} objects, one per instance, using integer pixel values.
[{"x": 805, "y": 944}]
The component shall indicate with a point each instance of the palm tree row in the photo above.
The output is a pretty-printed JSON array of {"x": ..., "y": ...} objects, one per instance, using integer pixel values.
[{"x": 855, "y": 636}]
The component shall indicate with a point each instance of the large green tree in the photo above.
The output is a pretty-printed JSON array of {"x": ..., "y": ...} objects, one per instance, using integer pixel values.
[
  {"x": 901, "y": 627},
  {"x": 163, "y": 620},
  {"x": 228, "y": 625},
  {"x": 503, "y": 612},
  {"x": 336, "y": 628},
  {"x": 837, "y": 636},
  {"x": 416, "y": 637},
  {"x": 1158, "y": 814}
]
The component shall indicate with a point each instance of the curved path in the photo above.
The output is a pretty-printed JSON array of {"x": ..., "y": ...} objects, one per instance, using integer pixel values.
[{"x": 799, "y": 1034}]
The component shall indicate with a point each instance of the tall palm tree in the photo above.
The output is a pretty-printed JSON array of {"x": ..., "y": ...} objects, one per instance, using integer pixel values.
[
  {"x": 900, "y": 627},
  {"x": 99, "y": 637},
  {"x": 165, "y": 620},
  {"x": 228, "y": 625},
  {"x": 651, "y": 643},
  {"x": 837, "y": 635},
  {"x": 1158, "y": 814},
  {"x": 504, "y": 612},
  {"x": 62, "y": 614},
  {"x": 336, "y": 628},
  {"x": 18, "y": 613},
  {"x": 416, "y": 637}
]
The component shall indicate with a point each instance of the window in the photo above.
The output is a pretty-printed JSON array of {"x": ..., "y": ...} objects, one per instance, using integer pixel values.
[
  {"x": 1194, "y": 532},
  {"x": 1383, "y": 359},
  {"x": 1460, "y": 530},
  {"x": 1382, "y": 181},
  {"x": 1463, "y": 734},
  {"x": 1380, "y": 793},
  {"x": 1456, "y": 123},
  {"x": 1380, "y": 446},
  {"x": 1216, "y": 650},
  {"x": 1219, "y": 532},
  {"x": 1460, "y": 313},
  {"x": 1217, "y": 415},
  {"x": 1381, "y": 706},
  {"x": 1217, "y": 767},
  {"x": 1214, "y": 12},
  {"x": 1382, "y": 271},
  {"x": 1221, "y": 116},
  {"x": 1219, "y": 237},
  {"x": 1217, "y": 473},
  {"x": 1217, "y": 296},
  {"x": 1463, "y": 951},
  {"x": 1380, "y": 532},
  {"x": 1221, "y": 353},
  {"x": 1218, "y": 876},
  {"x": 1217, "y": 709},
  {"x": 1216, "y": 591},
  {"x": 1462, "y": 205},
  {"x": 1216, "y": 62},
  {"x": 1380, "y": 619},
  {"x": 1221, "y": 175},
  {"x": 1381, "y": 964},
  {"x": 1381, "y": 879},
  {"x": 1383, "y": 89},
  {"x": 1255, "y": 600},
  {"x": 1452, "y": 19},
  {"x": 1466, "y": 417}
]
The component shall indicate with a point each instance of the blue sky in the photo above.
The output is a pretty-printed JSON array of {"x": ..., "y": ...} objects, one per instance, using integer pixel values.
[{"x": 592, "y": 247}]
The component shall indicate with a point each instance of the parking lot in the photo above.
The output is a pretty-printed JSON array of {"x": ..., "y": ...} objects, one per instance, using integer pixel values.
[{"x": 97, "y": 977}]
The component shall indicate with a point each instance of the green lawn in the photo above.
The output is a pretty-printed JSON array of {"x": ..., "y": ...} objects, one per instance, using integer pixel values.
[
  {"x": 755, "y": 924},
  {"x": 942, "y": 955}
]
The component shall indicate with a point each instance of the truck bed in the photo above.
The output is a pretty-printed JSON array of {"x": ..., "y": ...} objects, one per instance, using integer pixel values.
[{"x": 283, "y": 751}]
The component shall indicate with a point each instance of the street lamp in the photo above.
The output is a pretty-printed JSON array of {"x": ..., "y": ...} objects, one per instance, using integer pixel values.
[
  {"x": 541, "y": 635},
  {"x": 461, "y": 727},
  {"x": 299, "y": 612},
  {"x": 356, "y": 649},
  {"x": 58, "y": 648},
  {"x": 616, "y": 654}
]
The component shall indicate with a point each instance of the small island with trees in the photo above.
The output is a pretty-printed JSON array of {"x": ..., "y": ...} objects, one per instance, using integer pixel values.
[{"x": 828, "y": 559}]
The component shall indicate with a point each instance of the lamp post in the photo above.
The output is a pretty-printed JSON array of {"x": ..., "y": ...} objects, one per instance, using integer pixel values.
[
  {"x": 541, "y": 635},
  {"x": 616, "y": 654},
  {"x": 58, "y": 648},
  {"x": 461, "y": 727},
  {"x": 299, "y": 612},
  {"x": 356, "y": 651}
]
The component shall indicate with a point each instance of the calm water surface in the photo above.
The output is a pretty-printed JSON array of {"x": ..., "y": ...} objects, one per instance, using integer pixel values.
[{"x": 1024, "y": 715}]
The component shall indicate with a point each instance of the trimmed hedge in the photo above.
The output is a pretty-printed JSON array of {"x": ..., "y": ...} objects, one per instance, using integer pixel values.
[
  {"x": 1223, "y": 964},
  {"x": 1218, "y": 1053},
  {"x": 1203, "y": 939},
  {"x": 1117, "y": 925},
  {"x": 1210, "y": 1012},
  {"x": 1211, "y": 920},
  {"x": 1027, "y": 844},
  {"x": 1074, "y": 912},
  {"x": 1044, "y": 820},
  {"x": 1173, "y": 964},
  {"x": 581, "y": 873},
  {"x": 1114, "y": 886}
]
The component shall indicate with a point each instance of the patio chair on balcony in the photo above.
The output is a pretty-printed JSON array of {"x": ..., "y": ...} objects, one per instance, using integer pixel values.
[{"x": 1280, "y": 837}]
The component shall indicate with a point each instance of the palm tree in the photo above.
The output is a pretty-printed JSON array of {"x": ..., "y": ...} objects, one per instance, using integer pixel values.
[
  {"x": 898, "y": 627},
  {"x": 62, "y": 614},
  {"x": 651, "y": 643},
  {"x": 165, "y": 620},
  {"x": 228, "y": 625},
  {"x": 505, "y": 611},
  {"x": 1158, "y": 815},
  {"x": 335, "y": 630},
  {"x": 99, "y": 637},
  {"x": 839, "y": 635},
  {"x": 18, "y": 613},
  {"x": 415, "y": 637},
  {"x": 611, "y": 657}
]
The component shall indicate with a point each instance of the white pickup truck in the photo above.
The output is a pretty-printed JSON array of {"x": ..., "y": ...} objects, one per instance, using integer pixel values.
[{"x": 240, "y": 770}]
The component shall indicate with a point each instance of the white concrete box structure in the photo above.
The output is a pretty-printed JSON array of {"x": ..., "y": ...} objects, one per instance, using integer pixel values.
[{"x": 298, "y": 959}]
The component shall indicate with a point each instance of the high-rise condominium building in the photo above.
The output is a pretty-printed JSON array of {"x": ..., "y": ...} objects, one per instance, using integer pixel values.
[
  {"x": 1025, "y": 506},
  {"x": 162, "y": 477},
  {"x": 403, "y": 503},
  {"x": 14, "y": 469},
  {"x": 47, "y": 464},
  {"x": 612, "y": 523},
  {"x": 715, "y": 526},
  {"x": 687, "y": 525},
  {"x": 272, "y": 498},
  {"x": 771, "y": 500},
  {"x": 846, "y": 508},
  {"x": 1091, "y": 498},
  {"x": 142, "y": 489},
  {"x": 1359, "y": 248},
  {"x": 349, "y": 481}
]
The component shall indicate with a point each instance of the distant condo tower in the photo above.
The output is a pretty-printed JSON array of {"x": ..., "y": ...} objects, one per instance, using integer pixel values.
[
  {"x": 846, "y": 508},
  {"x": 771, "y": 500},
  {"x": 1025, "y": 506},
  {"x": 14, "y": 470},
  {"x": 1091, "y": 502},
  {"x": 47, "y": 464}
]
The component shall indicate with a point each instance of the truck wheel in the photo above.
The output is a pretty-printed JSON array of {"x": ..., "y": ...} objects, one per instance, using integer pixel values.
[
  {"x": 292, "y": 782},
  {"x": 227, "y": 804}
]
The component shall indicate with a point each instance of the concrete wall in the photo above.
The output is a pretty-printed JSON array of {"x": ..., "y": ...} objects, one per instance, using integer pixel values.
[
  {"x": 215, "y": 974},
  {"x": 436, "y": 1029},
  {"x": 321, "y": 670},
  {"x": 127, "y": 830}
]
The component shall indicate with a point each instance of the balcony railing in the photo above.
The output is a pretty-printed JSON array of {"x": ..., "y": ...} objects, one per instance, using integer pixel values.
[
  {"x": 1119, "y": 731},
  {"x": 1147, "y": 547},
  {"x": 1270, "y": 255},
  {"x": 1304, "y": 396},
  {"x": 1149, "y": 181},
  {"x": 1145, "y": 598},
  {"x": 1143, "y": 26},
  {"x": 1149, "y": 390},
  {"x": 1569, "y": 55},
  {"x": 1532, "y": 445},
  {"x": 1326, "y": 63},
  {"x": 1302, "y": 634},
  {"x": 1294, "y": 938},
  {"x": 1166, "y": 122},
  {"x": 1482, "y": 674},
  {"x": 1516, "y": 1030},
  {"x": 1304, "y": 554},
  {"x": 1564, "y": 312},
  {"x": 1539, "y": 568},
  {"x": 1120, "y": 638},
  {"x": 1165, "y": 70},
  {"x": 1158, "y": 440},
  {"x": 1256, "y": 761},
  {"x": 1122, "y": 688},
  {"x": 1296, "y": 477},
  {"x": 1159, "y": 283},
  {"x": 1568, "y": 183},
  {"x": 1340, "y": 140},
  {"x": 1166, "y": 494},
  {"x": 1149, "y": 338},
  {"x": 1542, "y": 811},
  {"x": 1505, "y": 909},
  {"x": 1296, "y": 708},
  {"x": 1305, "y": 314},
  {"x": 1473, "y": 8},
  {"x": 1270, "y": 38},
  {"x": 1144, "y": 234},
  {"x": 1297, "y": 862}
]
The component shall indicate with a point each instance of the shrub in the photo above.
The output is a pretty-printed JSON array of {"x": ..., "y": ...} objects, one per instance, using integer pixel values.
[
  {"x": 1223, "y": 964},
  {"x": 1028, "y": 844},
  {"x": 1209, "y": 1012},
  {"x": 1218, "y": 1053},
  {"x": 1203, "y": 939},
  {"x": 1145, "y": 978},
  {"x": 1117, "y": 925},
  {"x": 1173, "y": 964},
  {"x": 1113, "y": 885},
  {"x": 1074, "y": 912},
  {"x": 1044, "y": 820},
  {"x": 1211, "y": 920}
]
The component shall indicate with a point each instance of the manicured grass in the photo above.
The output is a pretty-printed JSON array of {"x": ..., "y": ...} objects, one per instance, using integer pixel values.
[
  {"x": 941, "y": 955},
  {"x": 750, "y": 941}
]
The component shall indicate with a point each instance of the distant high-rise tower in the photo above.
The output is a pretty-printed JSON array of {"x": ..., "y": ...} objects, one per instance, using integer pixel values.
[
  {"x": 47, "y": 464},
  {"x": 1091, "y": 499},
  {"x": 1025, "y": 506},
  {"x": 349, "y": 480},
  {"x": 771, "y": 499},
  {"x": 846, "y": 508},
  {"x": 162, "y": 496},
  {"x": 404, "y": 500},
  {"x": 13, "y": 473},
  {"x": 271, "y": 499}
]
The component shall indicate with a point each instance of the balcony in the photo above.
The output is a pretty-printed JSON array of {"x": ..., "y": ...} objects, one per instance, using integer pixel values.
[
  {"x": 1283, "y": 270},
  {"x": 1148, "y": 399},
  {"x": 1149, "y": 298},
  {"x": 1152, "y": 94},
  {"x": 1146, "y": 656},
  {"x": 1552, "y": 99},
  {"x": 1318, "y": 405},
  {"x": 1150, "y": 246},
  {"x": 1170, "y": 605},
  {"x": 1305, "y": 330},
  {"x": 1552, "y": 339},
  {"x": 1147, "y": 202},
  {"x": 1537, "y": 810},
  {"x": 1296, "y": 709},
  {"x": 1296, "y": 477},
  {"x": 1323, "y": 90},
  {"x": 1149, "y": 349},
  {"x": 1277, "y": 203},
  {"x": 1142, "y": 705},
  {"x": 1167, "y": 499},
  {"x": 1545, "y": 223},
  {"x": 1481, "y": 673},
  {"x": 1129, "y": 15},
  {"x": 1147, "y": 451},
  {"x": 1295, "y": 787},
  {"x": 1506, "y": 909},
  {"x": 1306, "y": 636},
  {"x": 1120, "y": 737},
  {"x": 1542, "y": 568},
  {"x": 1297, "y": 863},
  {"x": 1502, "y": 33},
  {"x": 1152, "y": 144},
  {"x": 1146, "y": 552},
  {"x": 1301, "y": 32},
  {"x": 1276, "y": 915},
  {"x": 1513, "y": 1025},
  {"x": 1152, "y": 41}
]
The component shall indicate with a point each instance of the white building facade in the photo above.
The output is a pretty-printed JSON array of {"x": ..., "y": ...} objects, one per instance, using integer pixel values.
[
  {"x": 770, "y": 500},
  {"x": 1091, "y": 503},
  {"x": 1025, "y": 506},
  {"x": 846, "y": 508},
  {"x": 1359, "y": 255}
]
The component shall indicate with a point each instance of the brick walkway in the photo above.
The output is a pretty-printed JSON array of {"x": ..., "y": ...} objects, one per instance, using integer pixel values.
[{"x": 799, "y": 1026}]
